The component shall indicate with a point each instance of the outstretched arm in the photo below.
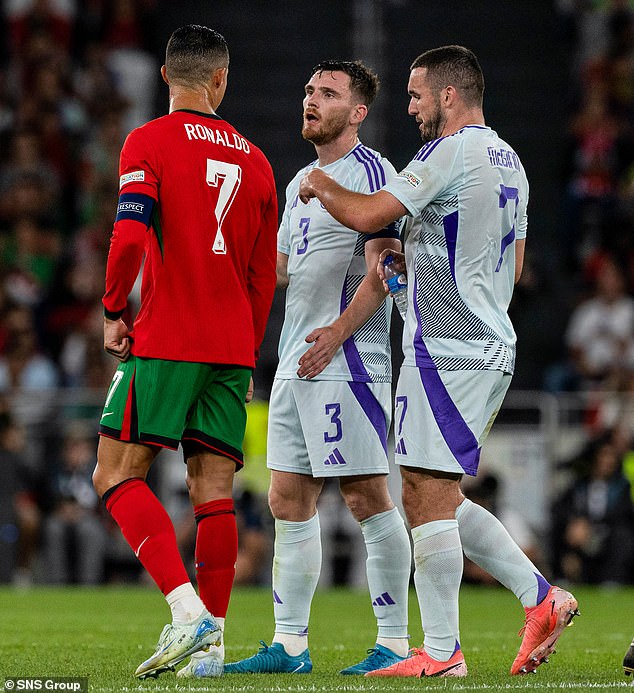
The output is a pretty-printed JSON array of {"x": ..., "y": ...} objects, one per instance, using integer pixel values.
[{"x": 358, "y": 211}]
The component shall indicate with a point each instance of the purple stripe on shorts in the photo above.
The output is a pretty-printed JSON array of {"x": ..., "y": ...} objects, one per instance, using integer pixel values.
[
  {"x": 373, "y": 410},
  {"x": 458, "y": 436}
]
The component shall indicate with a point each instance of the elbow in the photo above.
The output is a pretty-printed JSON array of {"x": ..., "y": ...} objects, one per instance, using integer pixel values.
[{"x": 366, "y": 224}]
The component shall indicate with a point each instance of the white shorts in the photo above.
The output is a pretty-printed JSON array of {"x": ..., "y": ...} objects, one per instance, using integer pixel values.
[
  {"x": 328, "y": 427},
  {"x": 442, "y": 418}
]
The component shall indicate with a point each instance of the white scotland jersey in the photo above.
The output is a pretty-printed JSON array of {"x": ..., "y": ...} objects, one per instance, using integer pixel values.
[
  {"x": 326, "y": 265},
  {"x": 467, "y": 194}
]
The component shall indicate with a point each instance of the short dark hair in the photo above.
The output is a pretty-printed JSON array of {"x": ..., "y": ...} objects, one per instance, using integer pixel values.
[
  {"x": 364, "y": 82},
  {"x": 193, "y": 53},
  {"x": 456, "y": 66}
]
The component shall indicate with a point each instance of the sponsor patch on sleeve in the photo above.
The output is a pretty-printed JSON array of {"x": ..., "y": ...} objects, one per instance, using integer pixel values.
[
  {"x": 413, "y": 180},
  {"x": 136, "y": 207},
  {"x": 132, "y": 177}
]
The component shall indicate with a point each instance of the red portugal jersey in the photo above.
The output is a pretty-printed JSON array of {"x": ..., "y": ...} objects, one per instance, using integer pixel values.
[{"x": 198, "y": 201}]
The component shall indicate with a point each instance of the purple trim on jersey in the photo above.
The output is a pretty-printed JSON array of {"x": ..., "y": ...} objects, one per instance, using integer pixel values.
[
  {"x": 373, "y": 167},
  {"x": 427, "y": 149},
  {"x": 450, "y": 225},
  {"x": 453, "y": 428},
  {"x": 373, "y": 410},
  {"x": 357, "y": 370},
  {"x": 543, "y": 587}
]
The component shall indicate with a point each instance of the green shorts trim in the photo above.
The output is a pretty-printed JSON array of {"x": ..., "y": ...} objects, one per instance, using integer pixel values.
[{"x": 164, "y": 403}]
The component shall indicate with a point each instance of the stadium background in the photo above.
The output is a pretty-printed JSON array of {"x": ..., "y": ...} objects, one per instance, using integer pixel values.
[{"x": 75, "y": 77}]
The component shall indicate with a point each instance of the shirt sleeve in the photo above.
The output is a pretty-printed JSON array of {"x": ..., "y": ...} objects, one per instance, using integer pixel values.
[
  {"x": 138, "y": 187},
  {"x": 424, "y": 177},
  {"x": 522, "y": 214},
  {"x": 262, "y": 276},
  {"x": 284, "y": 233}
]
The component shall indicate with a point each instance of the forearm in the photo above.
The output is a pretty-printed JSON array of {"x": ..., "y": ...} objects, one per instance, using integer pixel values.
[
  {"x": 367, "y": 300},
  {"x": 344, "y": 205},
  {"x": 127, "y": 246},
  {"x": 358, "y": 211}
]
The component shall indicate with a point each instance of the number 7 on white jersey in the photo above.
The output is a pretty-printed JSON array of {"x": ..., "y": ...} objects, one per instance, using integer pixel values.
[{"x": 226, "y": 177}]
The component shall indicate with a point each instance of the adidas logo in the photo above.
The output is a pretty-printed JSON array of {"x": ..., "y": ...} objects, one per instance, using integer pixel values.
[
  {"x": 276, "y": 598},
  {"x": 383, "y": 600},
  {"x": 335, "y": 457}
]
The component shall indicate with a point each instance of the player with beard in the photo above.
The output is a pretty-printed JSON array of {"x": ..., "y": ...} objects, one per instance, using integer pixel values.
[
  {"x": 330, "y": 404},
  {"x": 466, "y": 193}
]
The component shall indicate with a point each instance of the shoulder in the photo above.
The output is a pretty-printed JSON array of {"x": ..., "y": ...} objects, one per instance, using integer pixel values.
[
  {"x": 293, "y": 185},
  {"x": 369, "y": 167},
  {"x": 147, "y": 134},
  {"x": 441, "y": 148}
]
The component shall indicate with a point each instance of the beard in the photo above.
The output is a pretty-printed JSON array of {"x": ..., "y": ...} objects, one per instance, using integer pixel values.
[
  {"x": 326, "y": 130},
  {"x": 433, "y": 127}
]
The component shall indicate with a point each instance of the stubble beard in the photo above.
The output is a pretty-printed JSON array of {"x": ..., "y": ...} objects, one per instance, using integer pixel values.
[
  {"x": 328, "y": 130},
  {"x": 433, "y": 127}
]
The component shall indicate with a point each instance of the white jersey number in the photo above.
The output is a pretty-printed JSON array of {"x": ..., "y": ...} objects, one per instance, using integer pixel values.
[{"x": 226, "y": 177}]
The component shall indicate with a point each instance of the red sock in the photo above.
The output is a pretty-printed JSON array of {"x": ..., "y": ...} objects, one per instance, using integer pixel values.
[
  {"x": 148, "y": 529},
  {"x": 216, "y": 553}
]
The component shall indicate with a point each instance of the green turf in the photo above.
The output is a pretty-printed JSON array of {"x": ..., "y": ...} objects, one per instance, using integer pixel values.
[{"x": 105, "y": 633}]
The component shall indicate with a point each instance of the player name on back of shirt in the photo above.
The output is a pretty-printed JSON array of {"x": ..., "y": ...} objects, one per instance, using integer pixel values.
[{"x": 232, "y": 140}]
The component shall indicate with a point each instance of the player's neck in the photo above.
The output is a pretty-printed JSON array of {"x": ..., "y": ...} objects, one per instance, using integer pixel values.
[
  {"x": 191, "y": 100},
  {"x": 330, "y": 152},
  {"x": 472, "y": 116}
]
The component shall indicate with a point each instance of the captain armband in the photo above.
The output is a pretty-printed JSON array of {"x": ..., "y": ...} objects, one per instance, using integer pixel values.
[
  {"x": 135, "y": 206},
  {"x": 392, "y": 230}
]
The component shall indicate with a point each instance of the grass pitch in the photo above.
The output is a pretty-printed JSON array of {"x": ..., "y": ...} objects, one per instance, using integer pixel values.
[{"x": 104, "y": 633}]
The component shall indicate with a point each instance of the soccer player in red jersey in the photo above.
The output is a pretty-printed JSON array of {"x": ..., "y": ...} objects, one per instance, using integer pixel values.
[{"x": 198, "y": 203}]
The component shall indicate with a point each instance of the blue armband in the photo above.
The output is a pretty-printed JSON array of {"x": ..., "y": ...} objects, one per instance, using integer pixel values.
[
  {"x": 389, "y": 231},
  {"x": 135, "y": 206}
]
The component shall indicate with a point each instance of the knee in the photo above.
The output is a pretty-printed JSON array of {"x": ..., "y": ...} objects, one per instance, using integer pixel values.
[
  {"x": 366, "y": 497},
  {"x": 286, "y": 506},
  {"x": 280, "y": 504},
  {"x": 364, "y": 505},
  {"x": 209, "y": 477},
  {"x": 357, "y": 504}
]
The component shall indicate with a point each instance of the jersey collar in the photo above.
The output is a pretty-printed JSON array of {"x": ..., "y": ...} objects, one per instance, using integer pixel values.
[{"x": 213, "y": 116}]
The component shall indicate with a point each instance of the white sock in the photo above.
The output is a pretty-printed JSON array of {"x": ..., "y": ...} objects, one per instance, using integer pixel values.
[
  {"x": 388, "y": 569},
  {"x": 293, "y": 644},
  {"x": 296, "y": 568},
  {"x": 438, "y": 572},
  {"x": 399, "y": 646},
  {"x": 185, "y": 604},
  {"x": 486, "y": 542}
]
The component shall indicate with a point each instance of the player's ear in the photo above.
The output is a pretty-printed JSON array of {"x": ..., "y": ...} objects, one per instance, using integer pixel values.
[
  {"x": 220, "y": 76},
  {"x": 164, "y": 74},
  {"x": 359, "y": 113}
]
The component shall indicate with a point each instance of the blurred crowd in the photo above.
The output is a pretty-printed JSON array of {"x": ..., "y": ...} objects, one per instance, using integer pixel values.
[
  {"x": 592, "y": 531},
  {"x": 75, "y": 78}
]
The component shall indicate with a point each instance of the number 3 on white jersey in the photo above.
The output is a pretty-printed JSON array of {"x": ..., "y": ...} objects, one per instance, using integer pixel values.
[{"x": 226, "y": 177}]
